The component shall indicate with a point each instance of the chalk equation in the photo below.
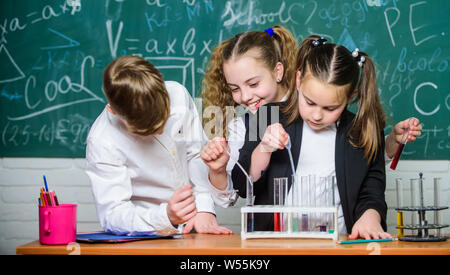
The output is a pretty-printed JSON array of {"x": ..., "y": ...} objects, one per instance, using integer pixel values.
[
  {"x": 53, "y": 54},
  {"x": 71, "y": 133}
]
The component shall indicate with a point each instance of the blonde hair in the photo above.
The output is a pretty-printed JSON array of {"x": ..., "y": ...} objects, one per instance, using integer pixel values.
[
  {"x": 334, "y": 64},
  {"x": 135, "y": 90},
  {"x": 280, "y": 47}
]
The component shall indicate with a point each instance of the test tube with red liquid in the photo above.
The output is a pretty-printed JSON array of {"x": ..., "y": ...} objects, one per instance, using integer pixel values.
[{"x": 400, "y": 147}]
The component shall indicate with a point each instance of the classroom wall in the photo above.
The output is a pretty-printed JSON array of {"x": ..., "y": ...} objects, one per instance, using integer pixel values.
[{"x": 21, "y": 179}]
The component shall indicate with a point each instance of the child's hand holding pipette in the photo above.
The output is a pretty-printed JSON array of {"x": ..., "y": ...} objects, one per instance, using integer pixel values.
[
  {"x": 275, "y": 138},
  {"x": 214, "y": 156}
]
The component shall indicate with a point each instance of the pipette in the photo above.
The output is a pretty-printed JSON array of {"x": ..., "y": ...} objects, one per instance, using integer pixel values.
[
  {"x": 237, "y": 162},
  {"x": 401, "y": 147},
  {"x": 288, "y": 146},
  {"x": 249, "y": 195}
]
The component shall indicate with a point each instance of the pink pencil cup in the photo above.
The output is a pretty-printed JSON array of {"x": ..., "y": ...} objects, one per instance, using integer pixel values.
[{"x": 58, "y": 224}]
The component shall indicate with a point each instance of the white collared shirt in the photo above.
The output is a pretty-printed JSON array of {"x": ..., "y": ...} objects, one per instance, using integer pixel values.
[
  {"x": 134, "y": 177},
  {"x": 317, "y": 162}
]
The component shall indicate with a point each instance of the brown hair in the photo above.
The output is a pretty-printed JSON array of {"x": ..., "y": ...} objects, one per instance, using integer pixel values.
[
  {"x": 334, "y": 64},
  {"x": 280, "y": 47},
  {"x": 135, "y": 90}
]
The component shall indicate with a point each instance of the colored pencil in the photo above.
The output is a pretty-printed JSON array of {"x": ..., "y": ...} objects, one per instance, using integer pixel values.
[
  {"x": 56, "y": 199},
  {"x": 45, "y": 183},
  {"x": 366, "y": 241},
  {"x": 52, "y": 198},
  {"x": 44, "y": 197}
]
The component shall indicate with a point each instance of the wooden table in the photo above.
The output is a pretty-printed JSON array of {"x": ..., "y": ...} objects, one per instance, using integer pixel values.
[{"x": 204, "y": 244}]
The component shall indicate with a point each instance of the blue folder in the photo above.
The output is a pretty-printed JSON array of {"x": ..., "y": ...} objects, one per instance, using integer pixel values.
[{"x": 105, "y": 237}]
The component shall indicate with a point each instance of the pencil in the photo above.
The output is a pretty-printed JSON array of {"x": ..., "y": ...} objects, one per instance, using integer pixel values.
[
  {"x": 52, "y": 198},
  {"x": 45, "y": 183},
  {"x": 44, "y": 197},
  {"x": 367, "y": 241},
  {"x": 56, "y": 199}
]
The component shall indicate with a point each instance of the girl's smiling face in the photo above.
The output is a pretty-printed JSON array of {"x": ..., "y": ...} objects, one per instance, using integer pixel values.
[
  {"x": 320, "y": 104},
  {"x": 251, "y": 83}
]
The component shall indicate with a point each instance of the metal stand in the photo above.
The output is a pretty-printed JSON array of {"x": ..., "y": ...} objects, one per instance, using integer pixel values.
[{"x": 423, "y": 226}]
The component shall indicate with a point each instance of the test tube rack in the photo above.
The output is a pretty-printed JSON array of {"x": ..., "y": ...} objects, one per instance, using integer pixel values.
[
  {"x": 289, "y": 212},
  {"x": 422, "y": 227}
]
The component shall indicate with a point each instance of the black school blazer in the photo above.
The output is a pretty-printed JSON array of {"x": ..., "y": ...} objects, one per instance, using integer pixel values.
[{"x": 361, "y": 185}]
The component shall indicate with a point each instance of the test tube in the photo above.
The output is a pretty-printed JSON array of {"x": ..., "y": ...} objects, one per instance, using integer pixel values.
[
  {"x": 436, "y": 183},
  {"x": 295, "y": 202},
  {"x": 331, "y": 201},
  {"x": 422, "y": 220},
  {"x": 312, "y": 201},
  {"x": 333, "y": 188},
  {"x": 304, "y": 191},
  {"x": 421, "y": 189},
  {"x": 280, "y": 186},
  {"x": 400, "y": 223},
  {"x": 249, "y": 202},
  {"x": 322, "y": 201},
  {"x": 413, "y": 184},
  {"x": 400, "y": 148}
]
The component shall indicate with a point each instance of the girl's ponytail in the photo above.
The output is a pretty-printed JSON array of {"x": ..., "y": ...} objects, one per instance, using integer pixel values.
[
  {"x": 306, "y": 47},
  {"x": 287, "y": 45},
  {"x": 369, "y": 122},
  {"x": 215, "y": 91}
]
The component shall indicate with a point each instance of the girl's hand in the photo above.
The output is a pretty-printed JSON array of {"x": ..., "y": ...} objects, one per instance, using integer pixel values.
[
  {"x": 368, "y": 227},
  {"x": 214, "y": 155},
  {"x": 401, "y": 128},
  {"x": 275, "y": 138}
]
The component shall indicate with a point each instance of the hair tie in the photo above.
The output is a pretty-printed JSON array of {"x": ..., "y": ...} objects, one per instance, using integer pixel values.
[
  {"x": 319, "y": 42},
  {"x": 359, "y": 58},
  {"x": 269, "y": 31}
]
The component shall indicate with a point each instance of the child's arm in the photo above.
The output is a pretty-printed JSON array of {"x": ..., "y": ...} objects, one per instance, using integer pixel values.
[
  {"x": 198, "y": 171},
  {"x": 371, "y": 208},
  {"x": 275, "y": 138},
  {"x": 369, "y": 227},
  {"x": 181, "y": 206},
  {"x": 112, "y": 191},
  {"x": 395, "y": 137}
]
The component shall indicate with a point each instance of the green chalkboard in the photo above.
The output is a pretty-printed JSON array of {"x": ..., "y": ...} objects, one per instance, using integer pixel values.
[{"x": 52, "y": 56}]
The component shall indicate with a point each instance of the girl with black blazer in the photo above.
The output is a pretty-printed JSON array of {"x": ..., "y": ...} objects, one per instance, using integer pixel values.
[{"x": 328, "y": 78}]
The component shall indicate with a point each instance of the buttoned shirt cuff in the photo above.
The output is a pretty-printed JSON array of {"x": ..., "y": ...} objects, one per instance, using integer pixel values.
[
  {"x": 225, "y": 198},
  {"x": 204, "y": 202},
  {"x": 168, "y": 228}
]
